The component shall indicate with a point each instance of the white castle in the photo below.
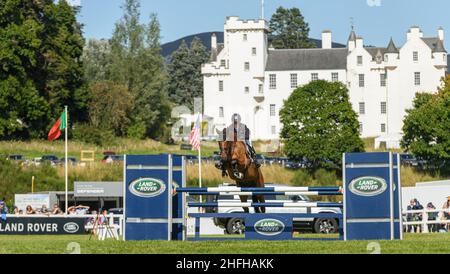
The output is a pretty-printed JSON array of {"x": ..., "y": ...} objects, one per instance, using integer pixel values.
[{"x": 248, "y": 77}]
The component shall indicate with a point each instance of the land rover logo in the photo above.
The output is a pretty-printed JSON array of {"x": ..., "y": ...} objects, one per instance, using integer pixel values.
[
  {"x": 147, "y": 187},
  {"x": 269, "y": 227},
  {"x": 368, "y": 186},
  {"x": 71, "y": 228}
]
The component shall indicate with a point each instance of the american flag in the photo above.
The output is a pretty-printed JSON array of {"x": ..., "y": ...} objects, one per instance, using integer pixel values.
[{"x": 194, "y": 137}]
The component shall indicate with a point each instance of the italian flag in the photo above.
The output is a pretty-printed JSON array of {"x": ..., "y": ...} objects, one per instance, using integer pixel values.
[{"x": 55, "y": 132}]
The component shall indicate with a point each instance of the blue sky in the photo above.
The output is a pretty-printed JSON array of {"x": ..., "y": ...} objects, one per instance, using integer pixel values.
[{"x": 375, "y": 20}]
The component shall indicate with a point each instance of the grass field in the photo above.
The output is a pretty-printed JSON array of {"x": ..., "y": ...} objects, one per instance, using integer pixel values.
[{"x": 413, "y": 244}]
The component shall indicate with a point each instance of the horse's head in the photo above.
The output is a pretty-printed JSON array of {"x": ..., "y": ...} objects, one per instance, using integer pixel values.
[
  {"x": 233, "y": 152},
  {"x": 224, "y": 151}
]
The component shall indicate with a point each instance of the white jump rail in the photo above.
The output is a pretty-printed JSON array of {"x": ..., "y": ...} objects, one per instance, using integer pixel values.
[{"x": 425, "y": 221}]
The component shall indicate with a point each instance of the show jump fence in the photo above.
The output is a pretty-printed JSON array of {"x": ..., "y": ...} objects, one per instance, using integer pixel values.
[{"x": 157, "y": 210}]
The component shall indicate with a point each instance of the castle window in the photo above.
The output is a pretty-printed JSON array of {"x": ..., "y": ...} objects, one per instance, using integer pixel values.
[
  {"x": 253, "y": 51},
  {"x": 415, "y": 56},
  {"x": 386, "y": 58},
  {"x": 245, "y": 37},
  {"x": 361, "y": 80},
  {"x": 247, "y": 89},
  {"x": 314, "y": 76},
  {"x": 261, "y": 88},
  {"x": 294, "y": 80},
  {"x": 272, "y": 110},
  {"x": 223, "y": 63},
  {"x": 361, "y": 128},
  {"x": 362, "y": 108},
  {"x": 274, "y": 130},
  {"x": 360, "y": 60},
  {"x": 334, "y": 76},
  {"x": 383, "y": 79},
  {"x": 417, "y": 78},
  {"x": 221, "y": 114},
  {"x": 272, "y": 81},
  {"x": 221, "y": 86},
  {"x": 247, "y": 66},
  {"x": 383, "y": 108},
  {"x": 383, "y": 128}
]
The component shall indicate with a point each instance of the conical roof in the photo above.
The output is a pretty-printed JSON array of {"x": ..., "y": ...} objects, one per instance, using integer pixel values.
[
  {"x": 352, "y": 36},
  {"x": 391, "y": 47},
  {"x": 439, "y": 46}
]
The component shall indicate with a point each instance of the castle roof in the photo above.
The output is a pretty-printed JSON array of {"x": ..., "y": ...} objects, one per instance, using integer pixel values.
[
  {"x": 391, "y": 47},
  {"x": 439, "y": 46},
  {"x": 435, "y": 44},
  {"x": 352, "y": 36},
  {"x": 307, "y": 59}
]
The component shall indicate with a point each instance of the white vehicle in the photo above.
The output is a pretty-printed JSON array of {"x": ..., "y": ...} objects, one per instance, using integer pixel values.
[{"x": 318, "y": 225}]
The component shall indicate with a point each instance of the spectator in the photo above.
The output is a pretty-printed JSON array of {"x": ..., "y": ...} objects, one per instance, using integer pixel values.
[
  {"x": 44, "y": 209},
  {"x": 16, "y": 211},
  {"x": 21, "y": 212},
  {"x": 72, "y": 210},
  {"x": 446, "y": 214},
  {"x": 78, "y": 210},
  {"x": 82, "y": 210},
  {"x": 56, "y": 210},
  {"x": 30, "y": 210},
  {"x": 432, "y": 216},
  {"x": 103, "y": 220},
  {"x": 3, "y": 210},
  {"x": 414, "y": 204}
]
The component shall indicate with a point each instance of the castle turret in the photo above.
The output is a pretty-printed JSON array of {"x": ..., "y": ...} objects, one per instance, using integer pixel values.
[
  {"x": 392, "y": 53},
  {"x": 351, "y": 44}
]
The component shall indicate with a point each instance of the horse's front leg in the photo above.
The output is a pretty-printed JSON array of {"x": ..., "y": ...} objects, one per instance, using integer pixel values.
[
  {"x": 244, "y": 200},
  {"x": 259, "y": 199}
]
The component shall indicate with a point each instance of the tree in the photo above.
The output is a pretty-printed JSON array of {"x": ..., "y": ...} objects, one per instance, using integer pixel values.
[
  {"x": 41, "y": 71},
  {"x": 110, "y": 106},
  {"x": 427, "y": 128},
  {"x": 186, "y": 80},
  {"x": 97, "y": 61},
  {"x": 320, "y": 124},
  {"x": 136, "y": 62},
  {"x": 289, "y": 29}
]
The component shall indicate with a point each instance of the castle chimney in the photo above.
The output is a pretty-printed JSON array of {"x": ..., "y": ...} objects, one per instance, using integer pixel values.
[
  {"x": 326, "y": 39},
  {"x": 359, "y": 42},
  {"x": 441, "y": 34},
  {"x": 213, "y": 41}
]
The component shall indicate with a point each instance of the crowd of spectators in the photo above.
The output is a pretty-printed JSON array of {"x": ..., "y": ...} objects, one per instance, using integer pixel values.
[
  {"x": 434, "y": 215},
  {"x": 43, "y": 210}
]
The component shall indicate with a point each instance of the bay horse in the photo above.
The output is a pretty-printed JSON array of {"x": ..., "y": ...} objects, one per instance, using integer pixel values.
[{"x": 242, "y": 170}]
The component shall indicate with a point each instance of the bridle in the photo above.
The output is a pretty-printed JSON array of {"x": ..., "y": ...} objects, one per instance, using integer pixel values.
[{"x": 229, "y": 152}]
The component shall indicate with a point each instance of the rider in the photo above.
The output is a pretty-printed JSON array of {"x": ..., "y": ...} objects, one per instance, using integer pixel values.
[{"x": 238, "y": 131}]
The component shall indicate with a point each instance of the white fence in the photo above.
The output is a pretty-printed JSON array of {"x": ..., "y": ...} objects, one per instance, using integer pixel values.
[{"x": 424, "y": 222}]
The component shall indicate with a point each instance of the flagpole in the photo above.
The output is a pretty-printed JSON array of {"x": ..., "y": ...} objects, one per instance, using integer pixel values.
[
  {"x": 66, "y": 177},
  {"x": 200, "y": 156}
]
